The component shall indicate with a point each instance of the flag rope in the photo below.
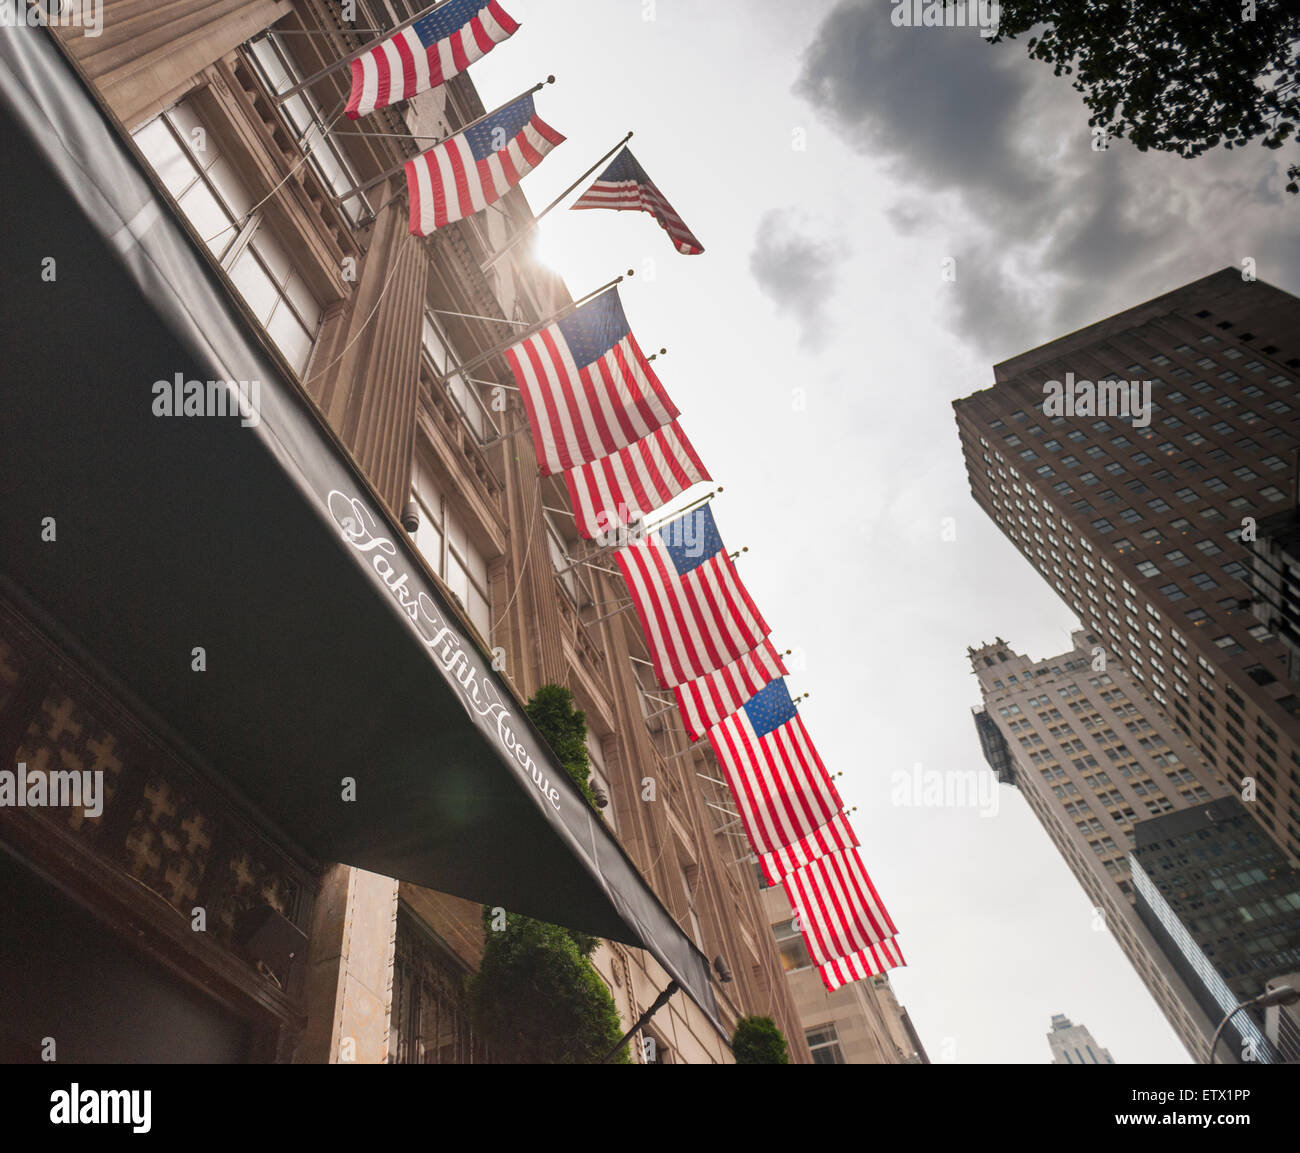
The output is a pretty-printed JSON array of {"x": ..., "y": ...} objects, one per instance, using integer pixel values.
[
  {"x": 523, "y": 566},
  {"x": 325, "y": 129},
  {"x": 397, "y": 260}
]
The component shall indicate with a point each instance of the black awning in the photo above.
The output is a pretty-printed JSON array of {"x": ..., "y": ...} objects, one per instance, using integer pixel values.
[{"x": 258, "y": 543}]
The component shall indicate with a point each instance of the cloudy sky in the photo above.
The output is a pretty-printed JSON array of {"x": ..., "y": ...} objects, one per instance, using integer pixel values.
[{"x": 831, "y": 164}]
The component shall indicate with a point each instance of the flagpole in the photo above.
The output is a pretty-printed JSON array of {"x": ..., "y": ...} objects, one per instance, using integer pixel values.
[
  {"x": 528, "y": 228},
  {"x": 393, "y": 31},
  {"x": 511, "y": 341},
  {"x": 389, "y": 172}
]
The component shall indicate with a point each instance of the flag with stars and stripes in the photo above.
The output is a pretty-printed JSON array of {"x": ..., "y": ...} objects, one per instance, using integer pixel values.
[
  {"x": 836, "y": 834},
  {"x": 704, "y": 702},
  {"x": 839, "y": 909},
  {"x": 475, "y": 168},
  {"x": 429, "y": 52},
  {"x": 696, "y": 614},
  {"x": 617, "y": 490},
  {"x": 624, "y": 186},
  {"x": 780, "y": 785},
  {"x": 873, "y": 961},
  {"x": 587, "y": 386}
]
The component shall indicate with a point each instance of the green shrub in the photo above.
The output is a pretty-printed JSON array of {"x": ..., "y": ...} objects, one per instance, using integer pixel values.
[
  {"x": 536, "y": 998},
  {"x": 565, "y": 730},
  {"x": 757, "y": 1041}
]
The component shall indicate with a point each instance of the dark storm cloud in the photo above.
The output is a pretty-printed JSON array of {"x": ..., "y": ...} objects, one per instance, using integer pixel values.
[
  {"x": 939, "y": 102},
  {"x": 1048, "y": 234},
  {"x": 796, "y": 271}
]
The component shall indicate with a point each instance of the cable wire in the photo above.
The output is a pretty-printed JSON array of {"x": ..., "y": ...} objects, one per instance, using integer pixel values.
[
  {"x": 325, "y": 130},
  {"x": 397, "y": 260}
]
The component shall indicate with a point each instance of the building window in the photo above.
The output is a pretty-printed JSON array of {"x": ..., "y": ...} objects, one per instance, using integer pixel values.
[
  {"x": 789, "y": 944},
  {"x": 567, "y": 572},
  {"x": 654, "y": 1049},
  {"x": 443, "y": 541},
  {"x": 203, "y": 182},
  {"x": 465, "y": 395},
  {"x": 279, "y": 72},
  {"x": 430, "y": 1014},
  {"x": 824, "y": 1042}
]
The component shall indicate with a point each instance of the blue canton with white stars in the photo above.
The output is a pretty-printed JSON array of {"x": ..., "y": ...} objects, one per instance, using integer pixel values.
[
  {"x": 442, "y": 22},
  {"x": 483, "y": 138},
  {"x": 595, "y": 328},
  {"x": 625, "y": 167},
  {"x": 770, "y": 707},
  {"x": 691, "y": 539}
]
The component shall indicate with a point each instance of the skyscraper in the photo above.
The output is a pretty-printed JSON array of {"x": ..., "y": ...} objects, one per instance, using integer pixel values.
[
  {"x": 1225, "y": 907},
  {"x": 1138, "y": 504},
  {"x": 1093, "y": 762},
  {"x": 1073, "y": 1044}
]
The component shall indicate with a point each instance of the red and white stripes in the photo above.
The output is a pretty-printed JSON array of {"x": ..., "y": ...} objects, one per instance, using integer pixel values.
[
  {"x": 780, "y": 785},
  {"x": 829, "y": 838},
  {"x": 707, "y": 700},
  {"x": 579, "y": 414},
  {"x": 634, "y": 196},
  {"x": 403, "y": 66},
  {"x": 872, "y": 961},
  {"x": 694, "y": 623},
  {"x": 447, "y": 184},
  {"x": 616, "y": 490}
]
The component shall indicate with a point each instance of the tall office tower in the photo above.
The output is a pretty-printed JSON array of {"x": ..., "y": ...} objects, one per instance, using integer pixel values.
[
  {"x": 1141, "y": 516},
  {"x": 1093, "y": 760},
  {"x": 861, "y": 1023},
  {"x": 1276, "y": 572},
  {"x": 1073, "y": 1044},
  {"x": 1225, "y": 906}
]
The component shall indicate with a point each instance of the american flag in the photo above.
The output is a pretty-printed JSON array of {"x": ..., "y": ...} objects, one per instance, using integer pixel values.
[
  {"x": 618, "y": 489},
  {"x": 587, "y": 386},
  {"x": 624, "y": 186},
  {"x": 428, "y": 53},
  {"x": 869, "y": 962},
  {"x": 694, "y": 610},
  {"x": 465, "y": 174},
  {"x": 836, "y": 834},
  {"x": 839, "y": 908},
  {"x": 779, "y": 782},
  {"x": 704, "y": 702}
]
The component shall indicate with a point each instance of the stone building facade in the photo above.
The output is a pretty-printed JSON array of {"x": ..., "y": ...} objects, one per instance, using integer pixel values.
[
  {"x": 1094, "y": 760},
  {"x": 371, "y": 324}
]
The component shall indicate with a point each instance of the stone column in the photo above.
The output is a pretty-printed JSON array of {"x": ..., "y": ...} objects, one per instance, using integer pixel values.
[
  {"x": 349, "y": 983},
  {"x": 370, "y": 395},
  {"x": 146, "y": 53}
]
